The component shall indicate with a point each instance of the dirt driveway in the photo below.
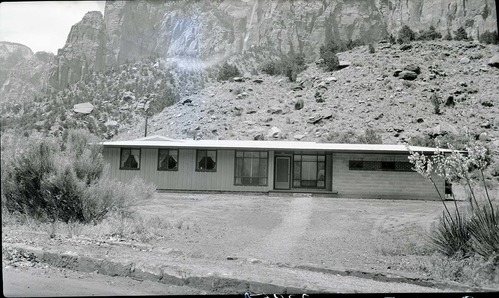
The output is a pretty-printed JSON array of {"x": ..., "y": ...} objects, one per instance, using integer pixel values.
[
  {"x": 293, "y": 240},
  {"x": 325, "y": 232}
]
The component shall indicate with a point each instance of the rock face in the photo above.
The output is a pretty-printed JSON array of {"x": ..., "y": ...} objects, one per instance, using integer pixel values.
[
  {"x": 204, "y": 33},
  {"x": 22, "y": 73},
  {"x": 87, "y": 49}
]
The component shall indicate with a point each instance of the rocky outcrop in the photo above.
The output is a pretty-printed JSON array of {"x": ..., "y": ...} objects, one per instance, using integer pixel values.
[
  {"x": 200, "y": 34},
  {"x": 87, "y": 49},
  {"x": 22, "y": 73}
]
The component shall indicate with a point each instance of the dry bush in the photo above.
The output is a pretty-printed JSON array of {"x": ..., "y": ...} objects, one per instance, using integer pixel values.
[{"x": 53, "y": 181}]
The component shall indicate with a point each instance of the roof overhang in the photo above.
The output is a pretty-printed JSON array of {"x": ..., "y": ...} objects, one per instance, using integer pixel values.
[{"x": 163, "y": 142}]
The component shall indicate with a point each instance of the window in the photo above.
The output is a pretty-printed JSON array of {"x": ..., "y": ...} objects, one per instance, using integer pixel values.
[
  {"x": 369, "y": 165},
  {"x": 206, "y": 161},
  {"x": 251, "y": 168},
  {"x": 167, "y": 160},
  {"x": 130, "y": 159},
  {"x": 309, "y": 171}
]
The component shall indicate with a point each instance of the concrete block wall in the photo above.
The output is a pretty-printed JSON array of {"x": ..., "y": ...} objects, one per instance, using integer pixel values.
[{"x": 381, "y": 184}]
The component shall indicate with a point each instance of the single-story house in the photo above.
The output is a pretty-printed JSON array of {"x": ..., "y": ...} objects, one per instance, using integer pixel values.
[{"x": 344, "y": 170}]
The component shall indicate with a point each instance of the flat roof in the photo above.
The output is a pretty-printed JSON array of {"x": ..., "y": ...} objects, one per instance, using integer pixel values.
[{"x": 164, "y": 142}]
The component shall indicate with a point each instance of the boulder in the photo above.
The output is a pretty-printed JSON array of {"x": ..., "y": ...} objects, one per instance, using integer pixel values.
[
  {"x": 238, "y": 79},
  {"x": 258, "y": 137},
  {"x": 405, "y": 47},
  {"x": 83, "y": 108},
  {"x": 487, "y": 104},
  {"x": 322, "y": 84},
  {"x": 413, "y": 68},
  {"x": 258, "y": 81},
  {"x": 186, "y": 101},
  {"x": 465, "y": 60},
  {"x": 298, "y": 137},
  {"x": 450, "y": 101},
  {"x": 315, "y": 119},
  {"x": 379, "y": 116},
  {"x": 274, "y": 110},
  {"x": 494, "y": 61},
  {"x": 330, "y": 79},
  {"x": 397, "y": 72},
  {"x": 485, "y": 124},
  {"x": 274, "y": 132},
  {"x": 299, "y": 104},
  {"x": 344, "y": 64},
  {"x": 483, "y": 137},
  {"x": 408, "y": 75}
]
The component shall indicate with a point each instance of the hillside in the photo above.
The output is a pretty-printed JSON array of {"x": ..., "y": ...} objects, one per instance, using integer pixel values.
[{"x": 364, "y": 95}]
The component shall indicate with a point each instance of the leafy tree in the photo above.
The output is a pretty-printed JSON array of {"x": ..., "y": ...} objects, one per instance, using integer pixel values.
[
  {"x": 460, "y": 34},
  {"x": 406, "y": 35},
  {"x": 228, "y": 71},
  {"x": 328, "y": 54}
]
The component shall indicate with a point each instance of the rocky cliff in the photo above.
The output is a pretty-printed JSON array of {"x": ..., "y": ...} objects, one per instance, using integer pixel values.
[
  {"x": 87, "y": 49},
  {"x": 22, "y": 73},
  {"x": 203, "y": 33}
]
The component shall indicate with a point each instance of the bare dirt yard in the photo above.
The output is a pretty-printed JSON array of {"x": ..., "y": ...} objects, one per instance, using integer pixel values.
[{"x": 295, "y": 239}]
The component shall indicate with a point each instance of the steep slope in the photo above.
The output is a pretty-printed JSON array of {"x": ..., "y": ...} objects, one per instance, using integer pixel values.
[
  {"x": 363, "y": 95},
  {"x": 22, "y": 73}
]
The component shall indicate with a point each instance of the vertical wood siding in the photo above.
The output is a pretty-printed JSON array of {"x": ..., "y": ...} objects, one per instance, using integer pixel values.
[
  {"x": 381, "y": 184},
  {"x": 186, "y": 178}
]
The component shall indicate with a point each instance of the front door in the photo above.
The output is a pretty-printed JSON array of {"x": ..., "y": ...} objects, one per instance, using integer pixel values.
[{"x": 282, "y": 172}]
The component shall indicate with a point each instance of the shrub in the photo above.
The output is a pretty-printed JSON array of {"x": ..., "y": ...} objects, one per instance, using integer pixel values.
[
  {"x": 430, "y": 34},
  {"x": 228, "y": 71},
  {"x": 451, "y": 235},
  {"x": 457, "y": 234},
  {"x": 64, "y": 182},
  {"x": 460, "y": 34},
  {"x": 392, "y": 39},
  {"x": 272, "y": 68},
  {"x": 436, "y": 103},
  {"x": 489, "y": 37},
  {"x": 370, "y": 136},
  {"x": 328, "y": 54},
  {"x": 289, "y": 66},
  {"x": 405, "y": 35},
  {"x": 371, "y": 48}
]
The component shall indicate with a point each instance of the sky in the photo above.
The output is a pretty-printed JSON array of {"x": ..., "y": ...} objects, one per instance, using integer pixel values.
[{"x": 42, "y": 25}]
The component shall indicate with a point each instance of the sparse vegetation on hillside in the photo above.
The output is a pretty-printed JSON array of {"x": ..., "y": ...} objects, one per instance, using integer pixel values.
[
  {"x": 228, "y": 71},
  {"x": 405, "y": 35},
  {"x": 370, "y": 136},
  {"x": 119, "y": 97},
  {"x": 430, "y": 34},
  {"x": 289, "y": 66},
  {"x": 327, "y": 52},
  {"x": 460, "y": 34},
  {"x": 488, "y": 37}
]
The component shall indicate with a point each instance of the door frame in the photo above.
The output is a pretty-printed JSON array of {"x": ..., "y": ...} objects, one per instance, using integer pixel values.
[{"x": 289, "y": 158}]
